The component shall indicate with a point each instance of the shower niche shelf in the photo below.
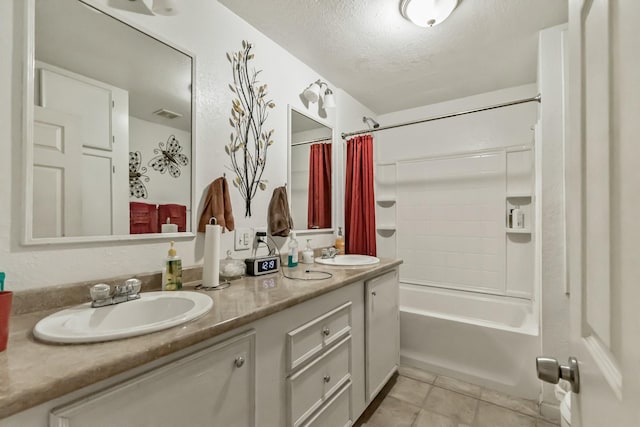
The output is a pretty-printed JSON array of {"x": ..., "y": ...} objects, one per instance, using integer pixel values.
[
  {"x": 524, "y": 202},
  {"x": 518, "y": 230},
  {"x": 386, "y": 201}
]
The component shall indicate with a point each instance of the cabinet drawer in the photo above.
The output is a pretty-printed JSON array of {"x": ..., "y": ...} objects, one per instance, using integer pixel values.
[
  {"x": 313, "y": 385},
  {"x": 336, "y": 412},
  {"x": 307, "y": 341}
]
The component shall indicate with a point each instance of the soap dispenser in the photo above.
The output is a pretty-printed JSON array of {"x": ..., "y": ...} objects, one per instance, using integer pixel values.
[
  {"x": 292, "y": 259},
  {"x": 340, "y": 242},
  {"x": 307, "y": 254},
  {"x": 172, "y": 271}
]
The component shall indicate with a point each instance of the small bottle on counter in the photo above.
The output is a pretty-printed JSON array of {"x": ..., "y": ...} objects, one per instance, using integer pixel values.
[
  {"x": 172, "y": 271},
  {"x": 292, "y": 258},
  {"x": 517, "y": 218},
  {"x": 340, "y": 242},
  {"x": 307, "y": 254}
]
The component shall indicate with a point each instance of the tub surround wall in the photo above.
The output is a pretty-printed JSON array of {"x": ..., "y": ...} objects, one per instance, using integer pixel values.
[
  {"x": 495, "y": 129},
  {"x": 503, "y": 351},
  {"x": 208, "y": 30}
]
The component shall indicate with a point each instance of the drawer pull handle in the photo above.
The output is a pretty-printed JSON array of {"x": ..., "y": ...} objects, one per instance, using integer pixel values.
[
  {"x": 326, "y": 378},
  {"x": 326, "y": 331},
  {"x": 374, "y": 293},
  {"x": 239, "y": 361}
]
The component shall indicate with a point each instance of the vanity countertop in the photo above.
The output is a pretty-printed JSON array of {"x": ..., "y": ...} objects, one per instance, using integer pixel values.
[{"x": 32, "y": 372}]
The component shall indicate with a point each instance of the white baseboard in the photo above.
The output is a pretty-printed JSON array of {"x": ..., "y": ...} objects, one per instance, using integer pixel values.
[{"x": 550, "y": 411}]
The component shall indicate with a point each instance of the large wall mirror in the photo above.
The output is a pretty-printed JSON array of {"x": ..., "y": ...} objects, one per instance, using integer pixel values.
[
  {"x": 109, "y": 134},
  {"x": 311, "y": 172}
]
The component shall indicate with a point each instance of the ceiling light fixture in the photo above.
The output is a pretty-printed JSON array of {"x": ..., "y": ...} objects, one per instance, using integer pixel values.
[
  {"x": 427, "y": 13},
  {"x": 319, "y": 90}
]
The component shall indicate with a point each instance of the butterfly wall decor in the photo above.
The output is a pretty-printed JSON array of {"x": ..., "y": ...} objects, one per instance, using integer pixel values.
[
  {"x": 137, "y": 175},
  {"x": 169, "y": 157}
]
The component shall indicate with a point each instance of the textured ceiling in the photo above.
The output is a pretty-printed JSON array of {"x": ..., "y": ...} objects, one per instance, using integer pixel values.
[{"x": 368, "y": 49}]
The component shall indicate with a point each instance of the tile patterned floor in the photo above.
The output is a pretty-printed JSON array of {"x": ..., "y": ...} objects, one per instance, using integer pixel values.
[{"x": 416, "y": 398}]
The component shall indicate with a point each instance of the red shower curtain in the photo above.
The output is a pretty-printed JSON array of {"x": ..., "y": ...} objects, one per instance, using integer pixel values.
[
  {"x": 319, "y": 206},
  {"x": 359, "y": 204}
]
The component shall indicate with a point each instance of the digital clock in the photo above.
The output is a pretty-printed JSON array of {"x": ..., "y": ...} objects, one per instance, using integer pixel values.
[{"x": 262, "y": 265}]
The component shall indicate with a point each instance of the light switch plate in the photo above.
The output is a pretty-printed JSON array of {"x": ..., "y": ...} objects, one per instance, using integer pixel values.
[{"x": 243, "y": 239}]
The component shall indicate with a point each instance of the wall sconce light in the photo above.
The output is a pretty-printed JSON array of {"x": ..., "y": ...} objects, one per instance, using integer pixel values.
[
  {"x": 427, "y": 13},
  {"x": 319, "y": 90}
]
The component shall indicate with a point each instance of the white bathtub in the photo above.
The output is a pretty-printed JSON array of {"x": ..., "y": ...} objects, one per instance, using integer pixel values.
[{"x": 483, "y": 339}]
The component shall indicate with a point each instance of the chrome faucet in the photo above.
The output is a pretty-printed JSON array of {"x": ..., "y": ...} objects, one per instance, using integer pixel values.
[
  {"x": 329, "y": 253},
  {"x": 101, "y": 293}
]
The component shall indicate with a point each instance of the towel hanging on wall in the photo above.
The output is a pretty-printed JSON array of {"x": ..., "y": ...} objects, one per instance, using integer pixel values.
[
  {"x": 217, "y": 204},
  {"x": 280, "y": 222}
]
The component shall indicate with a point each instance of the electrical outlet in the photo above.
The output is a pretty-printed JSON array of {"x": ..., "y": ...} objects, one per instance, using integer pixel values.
[{"x": 243, "y": 239}]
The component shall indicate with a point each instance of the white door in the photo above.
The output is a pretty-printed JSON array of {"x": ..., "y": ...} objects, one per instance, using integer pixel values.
[
  {"x": 104, "y": 110},
  {"x": 603, "y": 210},
  {"x": 57, "y": 175}
]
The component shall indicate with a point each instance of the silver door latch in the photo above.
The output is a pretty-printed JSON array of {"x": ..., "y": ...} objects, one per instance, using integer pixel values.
[{"x": 549, "y": 370}]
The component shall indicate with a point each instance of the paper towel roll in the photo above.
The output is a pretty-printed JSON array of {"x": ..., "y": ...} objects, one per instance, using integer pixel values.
[{"x": 211, "y": 265}]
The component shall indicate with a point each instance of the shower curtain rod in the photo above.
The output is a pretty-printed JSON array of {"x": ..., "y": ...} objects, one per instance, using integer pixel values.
[
  {"x": 537, "y": 98},
  {"x": 326, "y": 138}
]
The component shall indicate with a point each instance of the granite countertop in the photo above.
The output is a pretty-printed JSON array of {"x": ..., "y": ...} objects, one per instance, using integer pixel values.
[{"x": 33, "y": 372}]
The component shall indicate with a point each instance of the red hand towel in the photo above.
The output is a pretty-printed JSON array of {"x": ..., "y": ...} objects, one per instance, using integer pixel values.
[
  {"x": 143, "y": 218},
  {"x": 177, "y": 214}
]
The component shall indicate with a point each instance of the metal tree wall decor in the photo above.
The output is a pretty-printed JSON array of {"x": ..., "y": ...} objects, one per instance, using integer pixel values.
[{"x": 249, "y": 111}]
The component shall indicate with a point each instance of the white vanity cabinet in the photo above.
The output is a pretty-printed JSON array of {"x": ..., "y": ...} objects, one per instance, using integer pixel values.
[
  {"x": 382, "y": 330},
  {"x": 318, "y": 363},
  {"x": 212, "y": 387}
]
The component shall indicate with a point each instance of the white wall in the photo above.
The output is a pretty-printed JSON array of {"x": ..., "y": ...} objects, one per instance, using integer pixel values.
[
  {"x": 554, "y": 301},
  {"x": 496, "y": 128},
  {"x": 299, "y": 188},
  {"x": 144, "y": 136},
  {"x": 208, "y": 30}
]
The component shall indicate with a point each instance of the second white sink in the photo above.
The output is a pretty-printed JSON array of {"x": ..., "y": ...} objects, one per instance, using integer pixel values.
[
  {"x": 154, "y": 311},
  {"x": 349, "y": 260}
]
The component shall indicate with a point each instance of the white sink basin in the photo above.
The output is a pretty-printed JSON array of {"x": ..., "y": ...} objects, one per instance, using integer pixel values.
[
  {"x": 153, "y": 312},
  {"x": 349, "y": 260}
]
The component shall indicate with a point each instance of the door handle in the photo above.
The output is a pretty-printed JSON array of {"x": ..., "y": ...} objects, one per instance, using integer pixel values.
[{"x": 549, "y": 370}]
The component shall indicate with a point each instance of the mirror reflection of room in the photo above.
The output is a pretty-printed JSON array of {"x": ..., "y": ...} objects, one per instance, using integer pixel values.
[
  {"x": 112, "y": 128},
  {"x": 311, "y": 169}
]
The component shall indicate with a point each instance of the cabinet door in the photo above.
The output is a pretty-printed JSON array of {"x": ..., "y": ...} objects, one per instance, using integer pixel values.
[
  {"x": 213, "y": 387},
  {"x": 382, "y": 331}
]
